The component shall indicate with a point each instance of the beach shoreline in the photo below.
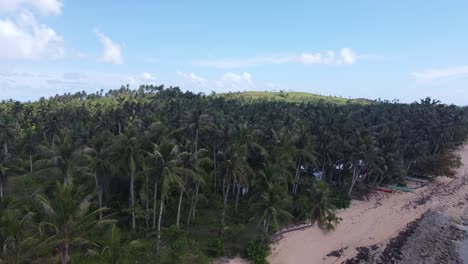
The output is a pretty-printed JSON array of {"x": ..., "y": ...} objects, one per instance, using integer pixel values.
[{"x": 375, "y": 221}]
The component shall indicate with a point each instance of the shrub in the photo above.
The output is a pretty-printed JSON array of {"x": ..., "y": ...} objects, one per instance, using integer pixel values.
[
  {"x": 216, "y": 248},
  {"x": 341, "y": 199},
  {"x": 437, "y": 165},
  {"x": 257, "y": 251}
]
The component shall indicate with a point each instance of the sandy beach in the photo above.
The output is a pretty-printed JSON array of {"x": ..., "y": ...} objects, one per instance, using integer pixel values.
[
  {"x": 376, "y": 220},
  {"x": 373, "y": 221}
]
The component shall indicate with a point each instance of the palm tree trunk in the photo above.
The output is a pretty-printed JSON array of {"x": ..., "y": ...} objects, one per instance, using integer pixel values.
[
  {"x": 154, "y": 203},
  {"x": 65, "y": 179},
  {"x": 214, "y": 158},
  {"x": 158, "y": 241},
  {"x": 409, "y": 166},
  {"x": 30, "y": 163},
  {"x": 339, "y": 177},
  {"x": 5, "y": 146},
  {"x": 381, "y": 178},
  {"x": 352, "y": 181},
  {"x": 196, "y": 144},
  {"x": 237, "y": 196},
  {"x": 119, "y": 125},
  {"x": 197, "y": 188},
  {"x": 296, "y": 178},
  {"x": 225, "y": 198},
  {"x": 147, "y": 202},
  {"x": 64, "y": 253},
  {"x": 189, "y": 216},
  {"x": 375, "y": 180},
  {"x": 99, "y": 193},
  {"x": 323, "y": 169},
  {"x": 356, "y": 173},
  {"x": 132, "y": 198},
  {"x": 214, "y": 166},
  {"x": 178, "y": 208}
]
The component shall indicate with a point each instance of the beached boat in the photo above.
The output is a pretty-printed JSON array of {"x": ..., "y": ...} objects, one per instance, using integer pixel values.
[
  {"x": 399, "y": 188},
  {"x": 381, "y": 189},
  {"x": 414, "y": 179}
]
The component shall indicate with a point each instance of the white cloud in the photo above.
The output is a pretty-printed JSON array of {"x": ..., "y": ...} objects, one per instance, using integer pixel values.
[
  {"x": 441, "y": 73},
  {"x": 112, "y": 52},
  {"x": 348, "y": 56},
  {"x": 44, "y": 7},
  {"x": 192, "y": 79},
  {"x": 26, "y": 39},
  {"x": 227, "y": 82},
  {"x": 344, "y": 56},
  {"x": 143, "y": 78},
  {"x": 147, "y": 76},
  {"x": 307, "y": 58},
  {"x": 31, "y": 85},
  {"x": 236, "y": 81}
]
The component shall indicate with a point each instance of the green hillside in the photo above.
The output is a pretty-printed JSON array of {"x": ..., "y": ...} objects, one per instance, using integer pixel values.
[{"x": 292, "y": 97}]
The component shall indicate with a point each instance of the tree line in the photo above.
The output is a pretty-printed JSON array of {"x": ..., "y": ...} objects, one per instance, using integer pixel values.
[{"x": 161, "y": 175}]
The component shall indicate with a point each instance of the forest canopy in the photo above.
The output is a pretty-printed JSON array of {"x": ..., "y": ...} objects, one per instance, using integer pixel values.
[{"x": 160, "y": 175}]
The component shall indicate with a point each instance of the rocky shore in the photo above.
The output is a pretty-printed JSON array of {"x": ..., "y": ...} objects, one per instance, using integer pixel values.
[{"x": 431, "y": 239}]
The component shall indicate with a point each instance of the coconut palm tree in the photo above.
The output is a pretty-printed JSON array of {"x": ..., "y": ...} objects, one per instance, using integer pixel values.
[
  {"x": 234, "y": 170},
  {"x": 304, "y": 153},
  {"x": 68, "y": 220},
  {"x": 273, "y": 204},
  {"x": 197, "y": 124},
  {"x": 18, "y": 236},
  {"x": 167, "y": 157},
  {"x": 64, "y": 160},
  {"x": 319, "y": 207},
  {"x": 7, "y": 134},
  {"x": 192, "y": 175}
]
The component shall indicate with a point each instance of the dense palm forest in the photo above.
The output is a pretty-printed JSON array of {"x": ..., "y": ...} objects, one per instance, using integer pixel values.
[{"x": 159, "y": 175}]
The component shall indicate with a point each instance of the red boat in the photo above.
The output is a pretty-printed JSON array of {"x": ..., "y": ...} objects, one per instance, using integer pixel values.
[{"x": 380, "y": 189}]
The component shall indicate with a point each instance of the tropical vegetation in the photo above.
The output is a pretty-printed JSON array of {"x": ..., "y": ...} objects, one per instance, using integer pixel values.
[{"x": 158, "y": 175}]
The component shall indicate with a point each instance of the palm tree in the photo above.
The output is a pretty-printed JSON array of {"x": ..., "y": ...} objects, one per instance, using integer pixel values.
[
  {"x": 100, "y": 164},
  {"x": 68, "y": 221},
  {"x": 7, "y": 133},
  {"x": 234, "y": 169},
  {"x": 197, "y": 123},
  {"x": 18, "y": 236},
  {"x": 191, "y": 172},
  {"x": 319, "y": 206},
  {"x": 304, "y": 153},
  {"x": 362, "y": 152},
  {"x": 63, "y": 161},
  {"x": 167, "y": 156},
  {"x": 125, "y": 152},
  {"x": 273, "y": 204},
  {"x": 114, "y": 249}
]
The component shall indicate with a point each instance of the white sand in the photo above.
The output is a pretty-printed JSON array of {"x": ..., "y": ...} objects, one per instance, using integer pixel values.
[{"x": 373, "y": 221}]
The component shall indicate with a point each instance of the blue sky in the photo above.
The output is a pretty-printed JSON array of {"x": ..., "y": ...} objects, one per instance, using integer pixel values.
[{"x": 387, "y": 49}]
